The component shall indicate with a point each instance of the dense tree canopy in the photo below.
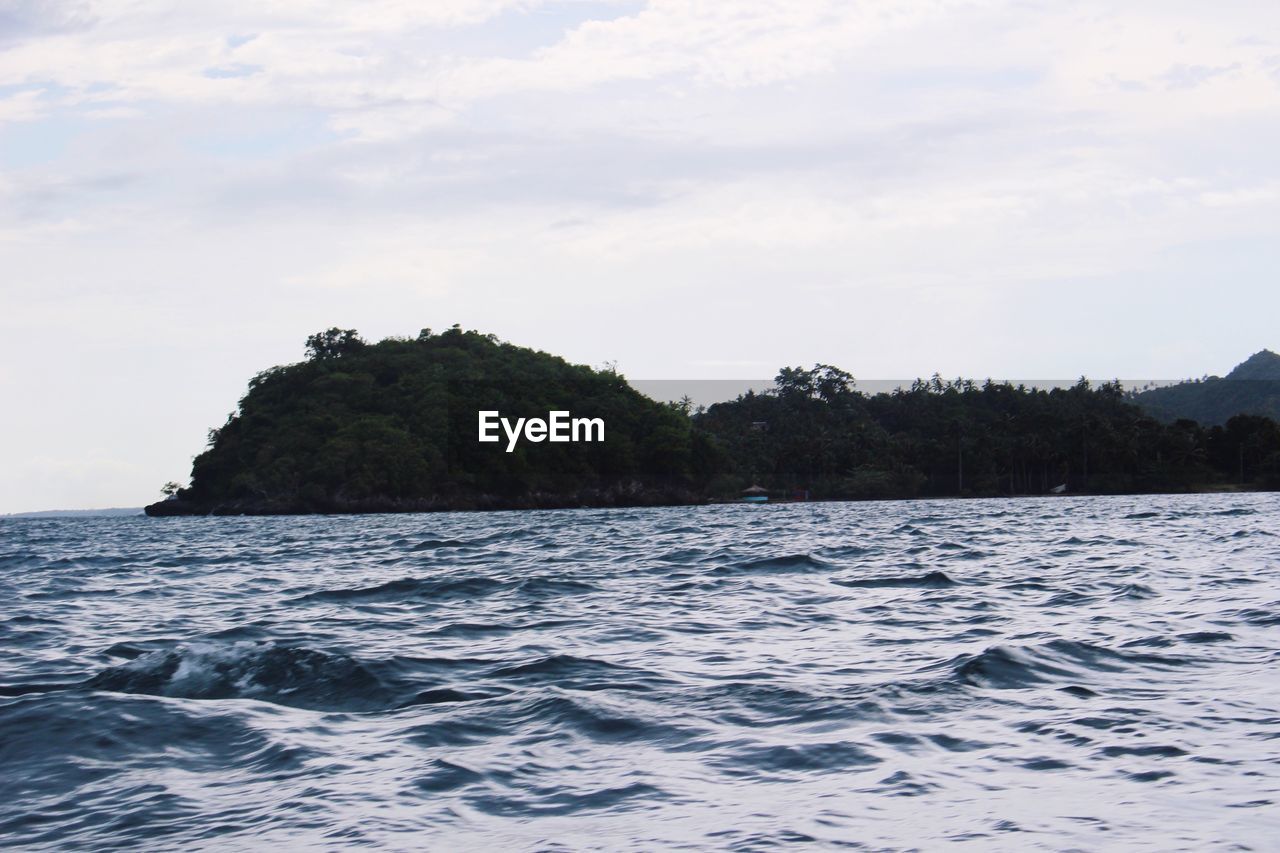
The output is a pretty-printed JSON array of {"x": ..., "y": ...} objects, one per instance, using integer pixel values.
[
  {"x": 814, "y": 432},
  {"x": 392, "y": 425}
]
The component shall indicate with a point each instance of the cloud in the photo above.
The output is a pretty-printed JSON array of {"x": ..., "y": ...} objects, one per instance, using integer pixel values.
[
  {"x": 897, "y": 186},
  {"x": 1253, "y": 195},
  {"x": 1190, "y": 76},
  {"x": 23, "y": 105}
]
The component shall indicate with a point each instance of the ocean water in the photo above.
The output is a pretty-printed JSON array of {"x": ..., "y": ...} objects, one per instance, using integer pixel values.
[{"x": 1074, "y": 673}]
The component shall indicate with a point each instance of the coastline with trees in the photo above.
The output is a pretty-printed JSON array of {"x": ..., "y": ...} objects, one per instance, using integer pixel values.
[{"x": 391, "y": 426}]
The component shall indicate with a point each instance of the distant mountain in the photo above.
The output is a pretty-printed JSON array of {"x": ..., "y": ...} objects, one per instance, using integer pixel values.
[
  {"x": 77, "y": 513},
  {"x": 1251, "y": 388},
  {"x": 1263, "y": 365}
]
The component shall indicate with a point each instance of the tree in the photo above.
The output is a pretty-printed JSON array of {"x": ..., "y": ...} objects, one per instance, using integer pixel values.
[
  {"x": 794, "y": 382},
  {"x": 832, "y": 383},
  {"x": 170, "y": 489},
  {"x": 333, "y": 343}
]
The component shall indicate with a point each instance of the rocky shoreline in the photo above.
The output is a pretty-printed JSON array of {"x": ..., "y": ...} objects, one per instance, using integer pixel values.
[{"x": 627, "y": 496}]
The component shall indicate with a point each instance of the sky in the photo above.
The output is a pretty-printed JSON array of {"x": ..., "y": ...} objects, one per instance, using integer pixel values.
[{"x": 691, "y": 189}]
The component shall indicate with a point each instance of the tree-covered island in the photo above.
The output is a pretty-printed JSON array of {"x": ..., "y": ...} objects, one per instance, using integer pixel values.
[{"x": 392, "y": 427}]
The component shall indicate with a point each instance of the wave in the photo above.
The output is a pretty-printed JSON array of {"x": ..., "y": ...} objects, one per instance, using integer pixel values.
[
  {"x": 28, "y": 688},
  {"x": 577, "y": 673},
  {"x": 782, "y": 564},
  {"x": 1012, "y": 667},
  {"x": 801, "y": 759},
  {"x": 1005, "y": 667},
  {"x": 564, "y": 716},
  {"x": 567, "y": 802},
  {"x": 96, "y": 761},
  {"x": 445, "y": 694},
  {"x": 21, "y": 560},
  {"x": 318, "y": 680},
  {"x": 1206, "y": 637},
  {"x": 931, "y": 580},
  {"x": 1258, "y": 616},
  {"x": 681, "y": 556},
  {"x": 448, "y": 776},
  {"x": 680, "y": 529},
  {"x": 439, "y": 589},
  {"x": 847, "y": 551},
  {"x": 559, "y": 666},
  {"x": 410, "y": 588},
  {"x": 1135, "y": 590},
  {"x": 436, "y": 544},
  {"x": 286, "y": 675}
]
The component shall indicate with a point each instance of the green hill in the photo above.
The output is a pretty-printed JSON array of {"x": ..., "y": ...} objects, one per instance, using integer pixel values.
[
  {"x": 1251, "y": 388},
  {"x": 1264, "y": 365},
  {"x": 391, "y": 426}
]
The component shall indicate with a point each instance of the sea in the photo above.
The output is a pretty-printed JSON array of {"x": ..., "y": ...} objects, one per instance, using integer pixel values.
[{"x": 1074, "y": 673}]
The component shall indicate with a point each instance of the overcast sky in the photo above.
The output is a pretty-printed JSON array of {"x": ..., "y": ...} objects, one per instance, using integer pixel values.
[{"x": 1029, "y": 188}]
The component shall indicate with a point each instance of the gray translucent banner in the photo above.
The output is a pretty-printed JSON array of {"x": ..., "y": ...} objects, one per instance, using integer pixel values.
[{"x": 705, "y": 392}]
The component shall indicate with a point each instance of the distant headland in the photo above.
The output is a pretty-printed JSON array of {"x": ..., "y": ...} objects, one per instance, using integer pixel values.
[
  {"x": 398, "y": 426},
  {"x": 1251, "y": 388},
  {"x": 110, "y": 512}
]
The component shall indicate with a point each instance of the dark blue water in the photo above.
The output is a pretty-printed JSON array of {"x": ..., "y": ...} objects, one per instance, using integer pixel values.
[{"x": 1021, "y": 674}]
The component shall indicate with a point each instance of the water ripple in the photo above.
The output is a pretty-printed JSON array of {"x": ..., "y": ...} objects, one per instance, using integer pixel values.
[{"x": 1075, "y": 673}]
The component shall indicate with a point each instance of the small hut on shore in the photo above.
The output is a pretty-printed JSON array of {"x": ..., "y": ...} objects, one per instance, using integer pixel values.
[{"x": 755, "y": 494}]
